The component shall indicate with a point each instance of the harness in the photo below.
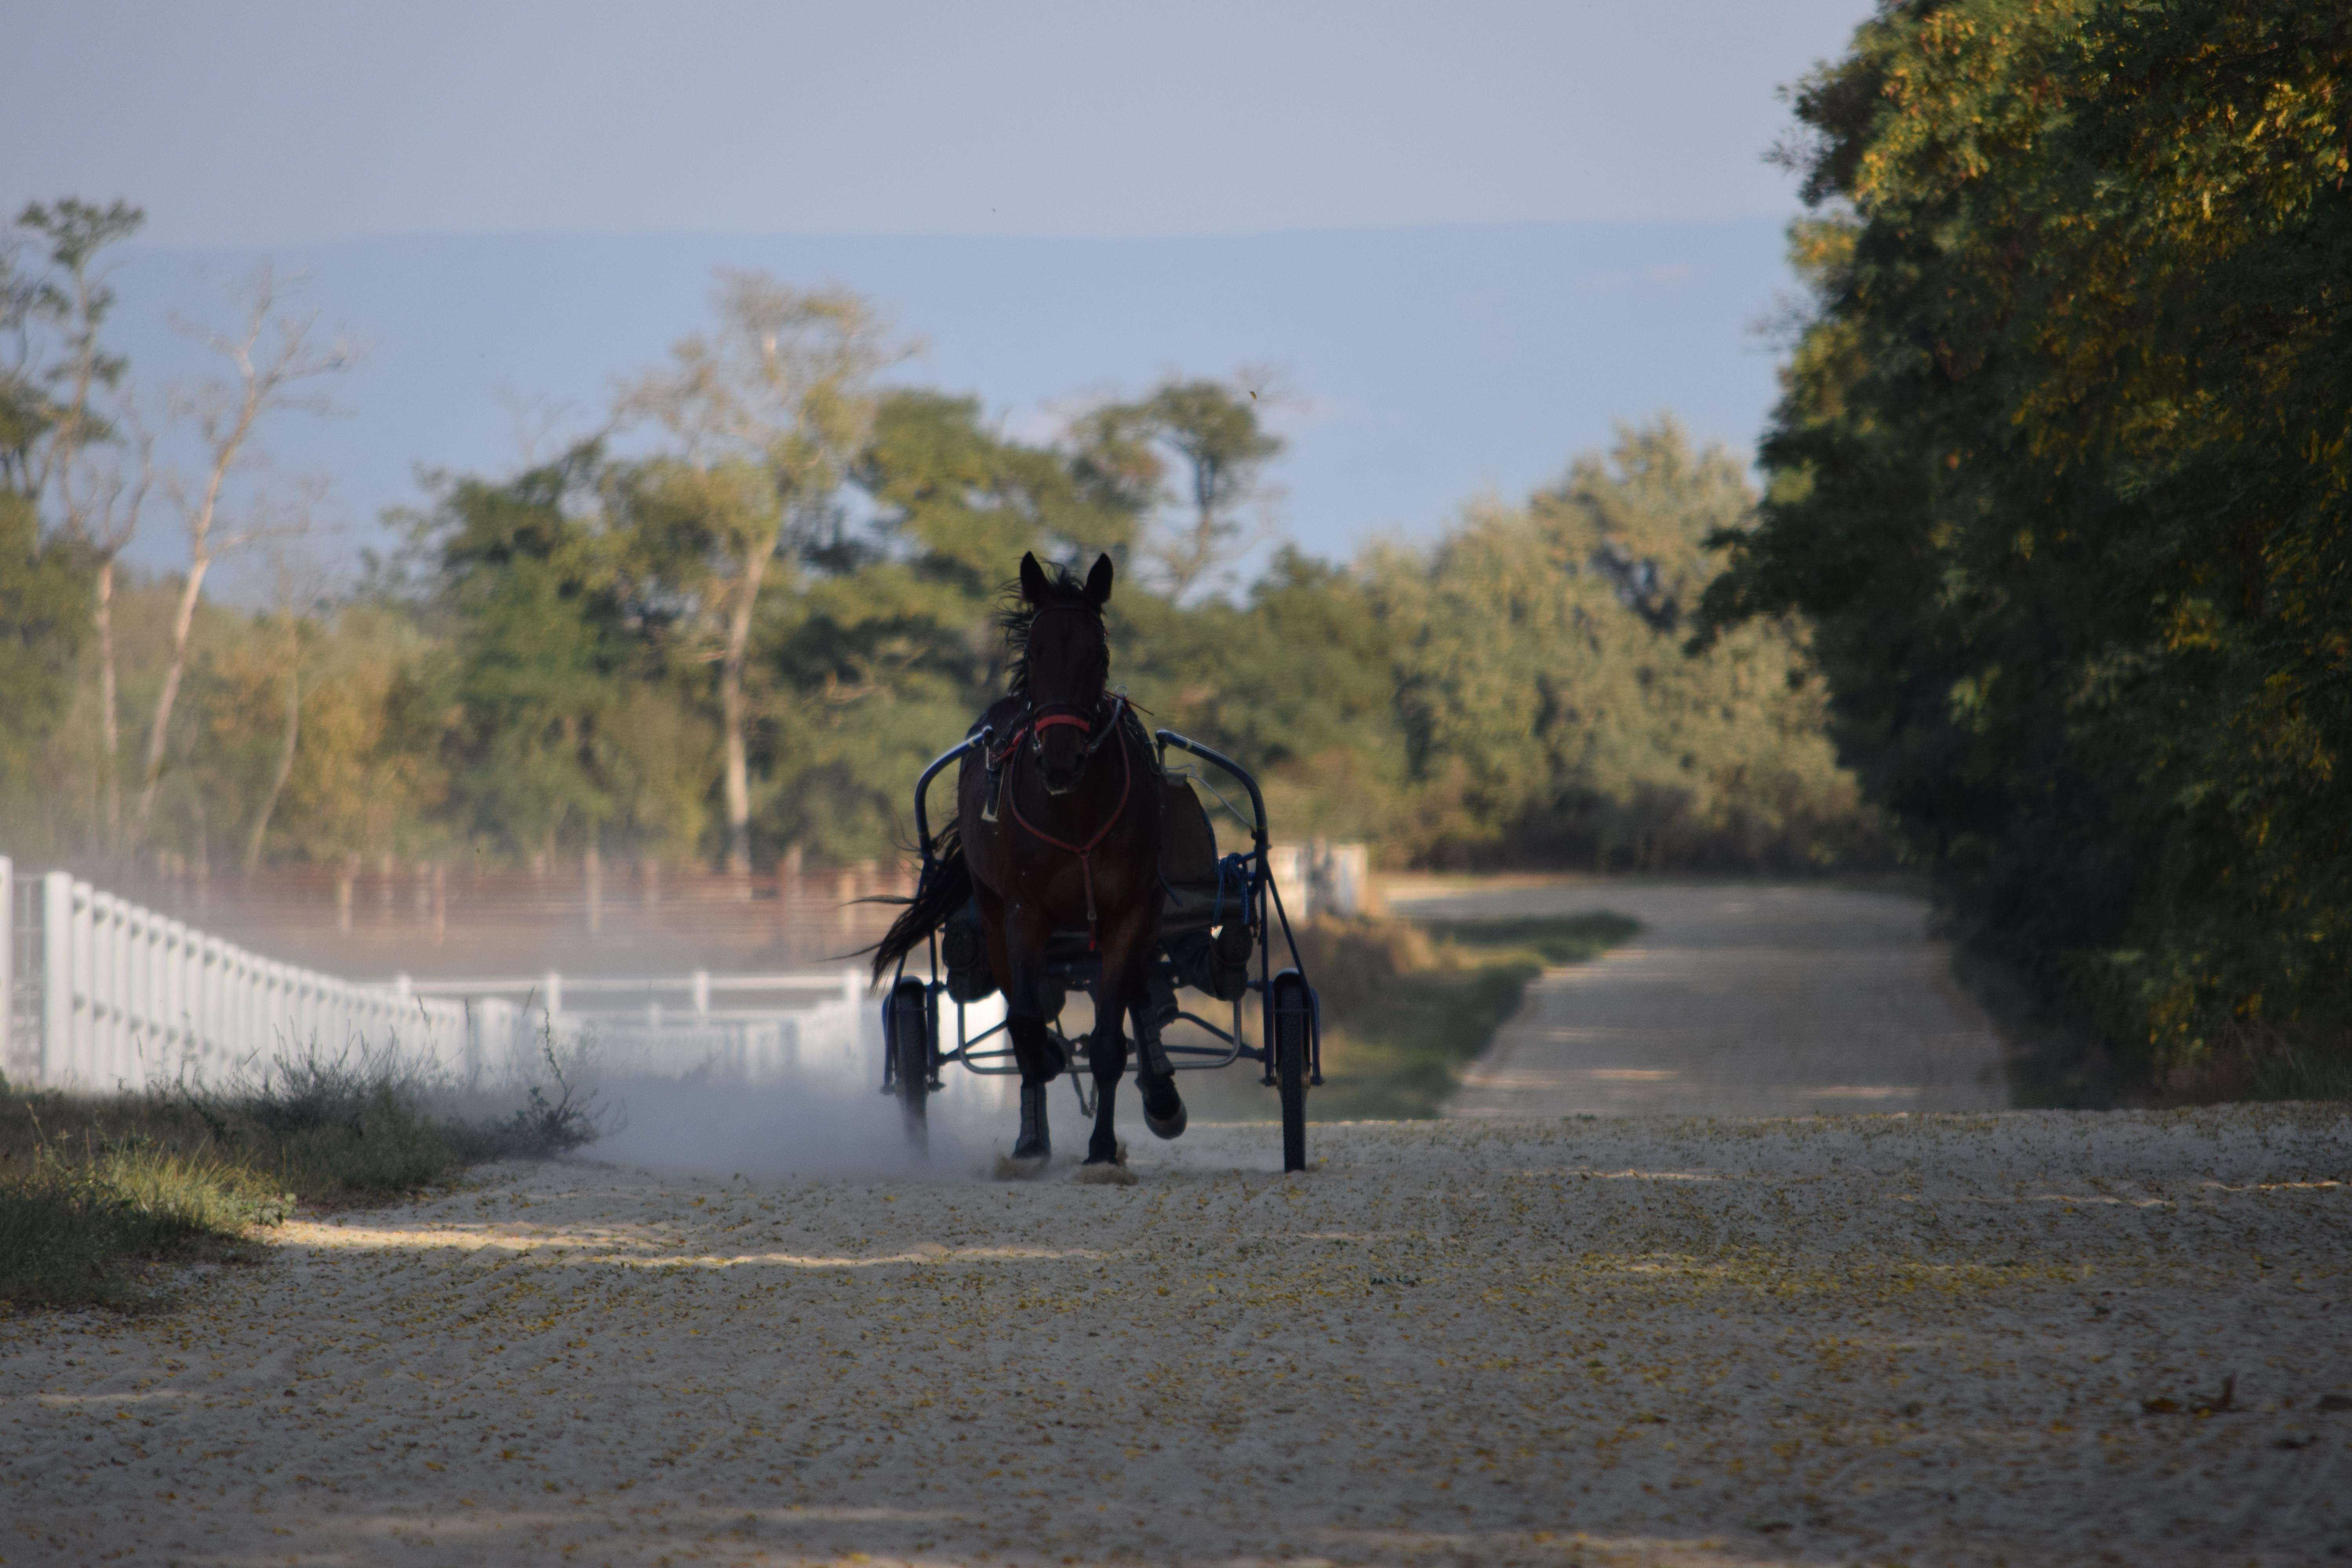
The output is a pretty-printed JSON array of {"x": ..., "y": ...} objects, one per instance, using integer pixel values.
[
  {"x": 1036, "y": 722},
  {"x": 1033, "y": 725}
]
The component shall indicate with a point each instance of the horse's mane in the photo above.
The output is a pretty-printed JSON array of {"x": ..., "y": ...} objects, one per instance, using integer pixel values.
[{"x": 1063, "y": 587}]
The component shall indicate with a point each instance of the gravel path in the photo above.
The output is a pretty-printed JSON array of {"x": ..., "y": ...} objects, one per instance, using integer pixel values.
[
  {"x": 1734, "y": 1000},
  {"x": 1965, "y": 1339}
]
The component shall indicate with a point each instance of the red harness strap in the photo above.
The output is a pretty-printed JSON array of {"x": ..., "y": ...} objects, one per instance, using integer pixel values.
[
  {"x": 1038, "y": 728},
  {"x": 1050, "y": 720},
  {"x": 1085, "y": 852}
]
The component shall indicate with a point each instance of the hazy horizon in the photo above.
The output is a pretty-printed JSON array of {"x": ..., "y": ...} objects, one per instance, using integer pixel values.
[
  {"x": 1411, "y": 369},
  {"x": 1463, "y": 242}
]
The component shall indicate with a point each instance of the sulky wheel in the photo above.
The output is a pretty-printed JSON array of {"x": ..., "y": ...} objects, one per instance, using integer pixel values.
[
  {"x": 1293, "y": 1007},
  {"x": 907, "y": 1034}
]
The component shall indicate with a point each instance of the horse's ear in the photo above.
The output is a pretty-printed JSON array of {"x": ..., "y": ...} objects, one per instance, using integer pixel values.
[
  {"x": 1033, "y": 579},
  {"x": 1099, "y": 582}
]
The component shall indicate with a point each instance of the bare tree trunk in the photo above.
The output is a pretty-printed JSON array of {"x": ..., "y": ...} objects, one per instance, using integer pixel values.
[
  {"x": 113, "y": 523},
  {"x": 285, "y": 757},
  {"x": 730, "y": 714},
  {"x": 226, "y": 416},
  {"x": 110, "y": 732},
  {"x": 158, "y": 731},
  {"x": 592, "y": 876}
]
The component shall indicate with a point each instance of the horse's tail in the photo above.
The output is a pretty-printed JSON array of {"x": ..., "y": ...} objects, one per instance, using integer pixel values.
[{"x": 943, "y": 891}]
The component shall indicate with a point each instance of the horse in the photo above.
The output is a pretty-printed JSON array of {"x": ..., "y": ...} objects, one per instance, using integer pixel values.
[{"x": 1057, "y": 830}]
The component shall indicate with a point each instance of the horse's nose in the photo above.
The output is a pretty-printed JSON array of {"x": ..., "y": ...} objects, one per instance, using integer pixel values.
[{"x": 1061, "y": 760}]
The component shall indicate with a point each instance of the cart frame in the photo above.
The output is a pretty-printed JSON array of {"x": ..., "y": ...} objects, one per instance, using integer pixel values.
[{"x": 1290, "y": 1016}]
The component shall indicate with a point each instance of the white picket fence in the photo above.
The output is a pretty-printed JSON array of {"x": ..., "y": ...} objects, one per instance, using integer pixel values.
[
  {"x": 679, "y": 1027},
  {"x": 102, "y": 992},
  {"x": 121, "y": 994}
]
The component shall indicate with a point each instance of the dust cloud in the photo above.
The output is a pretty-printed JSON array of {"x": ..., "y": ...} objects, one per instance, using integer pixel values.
[{"x": 821, "y": 1127}]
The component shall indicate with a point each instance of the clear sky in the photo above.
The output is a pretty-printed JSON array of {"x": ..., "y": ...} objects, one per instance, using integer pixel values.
[
  {"x": 1490, "y": 229},
  {"x": 275, "y": 124}
]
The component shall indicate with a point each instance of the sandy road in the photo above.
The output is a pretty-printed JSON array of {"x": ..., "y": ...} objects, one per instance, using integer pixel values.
[
  {"x": 1735, "y": 999},
  {"x": 1654, "y": 1341}
]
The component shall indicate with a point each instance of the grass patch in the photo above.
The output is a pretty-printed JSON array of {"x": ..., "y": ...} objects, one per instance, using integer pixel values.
[
  {"x": 99, "y": 1193},
  {"x": 2244, "y": 1059},
  {"x": 1407, "y": 1005},
  {"x": 2054, "y": 1066}
]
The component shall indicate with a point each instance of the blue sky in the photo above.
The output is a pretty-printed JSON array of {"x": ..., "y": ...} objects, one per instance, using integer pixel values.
[{"x": 1465, "y": 237}]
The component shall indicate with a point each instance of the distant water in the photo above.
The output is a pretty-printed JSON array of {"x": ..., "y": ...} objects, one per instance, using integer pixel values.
[{"x": 1418, "y": 367}]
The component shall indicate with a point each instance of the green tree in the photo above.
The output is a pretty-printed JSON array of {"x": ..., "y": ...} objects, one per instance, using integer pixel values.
[
  {"x": 892, "y": 646},
  {"x": 43, "y": 619},
  {"x": 98, "y": 504},
  {"x": 74, "y": 300},
  {"x": 763, "y": 420},
  {"x": 545, "y": 637},
  {"x": 1214, "y": 434},
  {"x": 1549, "y": 712},
  {"x": 51, "y": 385},
  {"x": 2061, "y": 477}
]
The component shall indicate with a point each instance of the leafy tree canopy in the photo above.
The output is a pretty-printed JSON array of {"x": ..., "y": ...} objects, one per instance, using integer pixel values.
[{"x": 2060, "y": 478}]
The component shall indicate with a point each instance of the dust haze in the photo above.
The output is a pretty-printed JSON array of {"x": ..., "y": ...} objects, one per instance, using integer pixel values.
[{"x": 705, "y": 1125}]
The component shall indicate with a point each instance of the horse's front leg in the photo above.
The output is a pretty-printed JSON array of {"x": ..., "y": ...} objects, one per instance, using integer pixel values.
[
  {"x": 1118, "y": 990},
  {"x": 1155, "y": 1078},
  {"x": 1017, "y": 951},
  {"x": 1106, "y": 1056}
]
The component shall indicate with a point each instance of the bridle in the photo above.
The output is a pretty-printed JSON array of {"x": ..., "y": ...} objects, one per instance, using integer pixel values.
[
  {"x": 1036, "y": 722},
  {"x": 1035, "y": 719}
]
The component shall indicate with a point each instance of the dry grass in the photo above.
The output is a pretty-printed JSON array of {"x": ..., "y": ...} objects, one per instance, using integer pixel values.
[
  {"x": 101, "y": 1195},
  {"x": 2244, "y": 1059},
  {"x": 1407, "y": 1005}
]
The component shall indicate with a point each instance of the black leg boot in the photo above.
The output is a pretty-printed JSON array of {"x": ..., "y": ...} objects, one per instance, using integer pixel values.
[
  {"x": 1037, "y": 1140},
  {"x": 1163, "y": 1107}
]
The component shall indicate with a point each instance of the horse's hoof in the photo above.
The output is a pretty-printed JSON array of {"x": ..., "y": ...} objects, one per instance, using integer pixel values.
[
  {"x": 1164, "y": 1112},
  {"x": 1012, "y": 1168}
]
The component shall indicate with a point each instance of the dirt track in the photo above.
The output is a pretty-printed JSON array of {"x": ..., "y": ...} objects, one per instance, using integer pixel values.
[
  {"x": 1652, "y": 1340},
  {"x": 1734, "y": 1000},
  {"x": 2027, "y": 1338}
]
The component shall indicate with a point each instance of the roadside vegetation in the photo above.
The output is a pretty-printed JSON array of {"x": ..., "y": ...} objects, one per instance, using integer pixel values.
[
  {"x": 101, "y": 1195},
  {"x": 735, "y": 634},
  {"x": 2045, "y": 591},
  {"x": 1409, "y": 1004},
  {"x": 2061, "y": 483}
]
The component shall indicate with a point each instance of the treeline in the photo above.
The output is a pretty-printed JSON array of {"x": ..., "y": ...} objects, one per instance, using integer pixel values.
[
  {"x": 2060, "y": 481},
  {"x": 737, "y": 626}
]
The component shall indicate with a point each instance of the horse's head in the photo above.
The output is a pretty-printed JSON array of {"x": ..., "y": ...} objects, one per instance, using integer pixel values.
[{"x": 1065, "y": 663}]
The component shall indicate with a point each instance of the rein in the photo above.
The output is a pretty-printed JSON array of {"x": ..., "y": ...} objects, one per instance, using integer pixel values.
[{"x": 1010, "y": 756}]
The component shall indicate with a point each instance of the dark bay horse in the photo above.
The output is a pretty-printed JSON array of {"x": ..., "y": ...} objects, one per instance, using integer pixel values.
[{"x": 1057, "y": 831}]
